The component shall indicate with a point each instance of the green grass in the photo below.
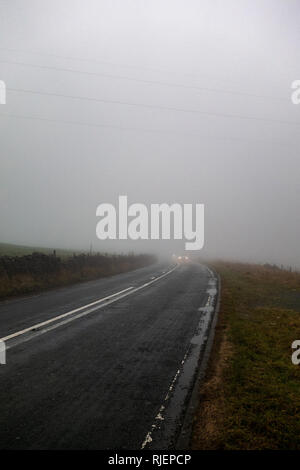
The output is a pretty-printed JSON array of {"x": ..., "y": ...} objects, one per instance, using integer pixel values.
[{"x": 258, "y": 391}]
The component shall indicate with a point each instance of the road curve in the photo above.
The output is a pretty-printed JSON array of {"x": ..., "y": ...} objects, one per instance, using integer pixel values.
[{"x": 106, "y": 364}]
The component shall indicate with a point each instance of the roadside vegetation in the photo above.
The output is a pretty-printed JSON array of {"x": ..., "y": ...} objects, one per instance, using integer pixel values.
[
  {"x": 250, "y": 398},
  {"x": 38, "y": 271}
]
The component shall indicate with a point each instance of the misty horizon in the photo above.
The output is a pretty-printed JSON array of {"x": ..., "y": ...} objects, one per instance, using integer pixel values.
[{"x": 165, "y": 102}]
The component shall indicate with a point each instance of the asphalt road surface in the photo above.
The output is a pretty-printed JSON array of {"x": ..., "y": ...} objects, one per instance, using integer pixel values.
[{"x": 106, "y": 364}]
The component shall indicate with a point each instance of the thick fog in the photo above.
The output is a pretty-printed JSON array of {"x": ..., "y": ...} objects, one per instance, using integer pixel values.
[{"x": 163, "y": 101}]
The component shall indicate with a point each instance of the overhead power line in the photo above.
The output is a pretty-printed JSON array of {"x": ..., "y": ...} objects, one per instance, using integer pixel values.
[
  {"x": 159, "y": 107},
  {"x": 137, "y": 129},
  {"x": 114, "y": 64},
  {"x": 144, "y": 81}
]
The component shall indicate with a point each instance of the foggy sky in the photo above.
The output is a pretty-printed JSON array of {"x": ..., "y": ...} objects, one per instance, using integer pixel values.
[{"x": 233, "y": 62}]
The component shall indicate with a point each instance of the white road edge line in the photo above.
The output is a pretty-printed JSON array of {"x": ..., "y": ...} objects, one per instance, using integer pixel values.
[
  {"x": 121, "y": 294},
  {"x": 159, "y": 417}
]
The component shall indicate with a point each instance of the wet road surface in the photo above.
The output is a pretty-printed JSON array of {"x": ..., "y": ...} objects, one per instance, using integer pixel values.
[{"x": 106, "y": 360}]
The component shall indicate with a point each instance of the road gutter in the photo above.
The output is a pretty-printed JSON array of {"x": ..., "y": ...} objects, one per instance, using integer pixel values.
[{"x": 184, "y": 437}]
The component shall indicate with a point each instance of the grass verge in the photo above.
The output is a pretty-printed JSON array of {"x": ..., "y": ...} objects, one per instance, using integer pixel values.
[{"x": 250, "y": 398}]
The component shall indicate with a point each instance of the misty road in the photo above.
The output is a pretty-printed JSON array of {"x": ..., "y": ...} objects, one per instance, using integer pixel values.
[{"x": 104, "y": 364}]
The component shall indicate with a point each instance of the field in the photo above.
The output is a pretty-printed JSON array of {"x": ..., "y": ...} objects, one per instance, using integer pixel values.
[
  {"x": 7, "y": 249},
  {"x": 250, "y": 398},
  {"x": 25, "y": 270}
]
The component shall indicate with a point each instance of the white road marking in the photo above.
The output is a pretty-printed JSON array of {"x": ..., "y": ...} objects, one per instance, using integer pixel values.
[
  {"x": 39, "y": 325},
  {"x": 160, "y": 415},
  {"x": 103, "y": 303}
]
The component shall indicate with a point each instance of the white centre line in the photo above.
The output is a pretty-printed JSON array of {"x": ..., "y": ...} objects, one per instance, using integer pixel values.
[
  {"x": 63, "y": 315},
  {"x": 100, "y": 303}
]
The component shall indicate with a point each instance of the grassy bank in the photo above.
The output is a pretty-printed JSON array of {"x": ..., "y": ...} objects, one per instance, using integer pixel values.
[
  {"x": 38, "y": 271},
  {"x": 250, "y": 398}
]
